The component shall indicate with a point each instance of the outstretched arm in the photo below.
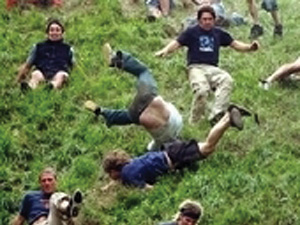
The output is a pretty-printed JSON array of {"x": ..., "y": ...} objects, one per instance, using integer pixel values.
[
  {"x": 23, "y": 71},
  {"x": 244, "y": 47},
  {"x": 169, "y": 48},
  {"x": 19, "y": 220}
]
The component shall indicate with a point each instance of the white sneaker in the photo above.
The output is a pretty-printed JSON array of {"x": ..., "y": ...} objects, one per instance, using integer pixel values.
[{"x": 264, "y": 84}]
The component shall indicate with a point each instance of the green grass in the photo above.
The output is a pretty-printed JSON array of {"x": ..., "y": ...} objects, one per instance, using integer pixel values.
[{"x": 252, "y": 178}]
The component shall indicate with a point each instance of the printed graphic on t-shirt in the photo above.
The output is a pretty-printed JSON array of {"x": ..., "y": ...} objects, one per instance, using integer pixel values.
[
  {"x": 45, "y": 203},
  {"x": 206, "y": 43}
]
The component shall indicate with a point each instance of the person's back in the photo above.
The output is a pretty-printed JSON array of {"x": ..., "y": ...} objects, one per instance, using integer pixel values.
[{"x": 144, "y": 169}]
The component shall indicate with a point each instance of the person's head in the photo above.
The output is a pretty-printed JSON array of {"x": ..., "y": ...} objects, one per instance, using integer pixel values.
[
  {"x": 55, "y": 30},
  {"x": 47, "y": 180},
  {"x": 113, "y": 163},
  {"x": 189, "y": 213},
  {"x": 206, "y": 17}
]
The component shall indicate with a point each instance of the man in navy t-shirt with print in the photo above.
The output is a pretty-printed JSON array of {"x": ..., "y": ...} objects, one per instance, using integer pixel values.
[{"x": 203, "y": 42}]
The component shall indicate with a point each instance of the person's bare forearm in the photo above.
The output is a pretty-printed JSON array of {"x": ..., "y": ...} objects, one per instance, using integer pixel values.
[
  {"x": 18, "y": 220},
  {"x": 169, "y": 48}
]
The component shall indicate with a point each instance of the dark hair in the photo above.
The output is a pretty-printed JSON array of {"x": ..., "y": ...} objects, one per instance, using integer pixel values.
[
  {"x": 205, "y": 9},
  {"x": 115, "y": 160},
  {"x": 54, "y": 21}
]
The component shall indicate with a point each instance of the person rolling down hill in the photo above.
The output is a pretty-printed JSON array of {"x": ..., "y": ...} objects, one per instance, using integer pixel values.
[
  {"x": 159, "y": 117},
  {"x": 143, "y": 171}
]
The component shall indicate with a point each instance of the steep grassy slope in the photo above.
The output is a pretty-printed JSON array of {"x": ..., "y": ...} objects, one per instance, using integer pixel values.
[{"x": 253, "y": 177}]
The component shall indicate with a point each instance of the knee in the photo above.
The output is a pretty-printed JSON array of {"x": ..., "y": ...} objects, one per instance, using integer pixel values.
[
  {"x": 37, "y": 75},
  {"x": 226, "y": 82},
  {"x": 200, "y": 91}
]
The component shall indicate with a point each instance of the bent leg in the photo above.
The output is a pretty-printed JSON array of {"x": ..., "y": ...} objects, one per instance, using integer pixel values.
[
  {"x": 116, "y": 117},
  {"x": 165, "y": 7},
  {"x": 222, "y": 82},
  {"x": 253, "y": 10},
  {"x": 284, "y": 71},
  {"x": 215, "y": 135},
  {"x": 36, "y": 78},
  {"x": 59, "y": 79}
]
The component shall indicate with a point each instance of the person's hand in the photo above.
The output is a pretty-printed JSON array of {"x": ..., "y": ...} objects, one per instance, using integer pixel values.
[
  {"x": 254, "y": 46},
  {"x": 161, "y": 53}
]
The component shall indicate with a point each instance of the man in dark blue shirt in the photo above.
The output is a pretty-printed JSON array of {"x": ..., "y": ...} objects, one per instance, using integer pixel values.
[
  {"x": 143, "y": 171},
  {"x": 203, "y": 42},
  {"x": 52, "y": 60},
  {"x": 36, "y": 205}
]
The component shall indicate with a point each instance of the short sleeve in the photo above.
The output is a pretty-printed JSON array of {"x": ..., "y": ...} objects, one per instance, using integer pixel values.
[
  {"x": 24, "y": 208},
  {"x": 225, "y": 39},
  {"x": 32, "y": 55},
  {"x": 184, "y": 37}
]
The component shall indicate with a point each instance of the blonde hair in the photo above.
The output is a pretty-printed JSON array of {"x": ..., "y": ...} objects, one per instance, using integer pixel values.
[
  {"x": 115, "y": 160},
  {"x": 191, "y": 206},
  {"x": 48, "y": 170}
]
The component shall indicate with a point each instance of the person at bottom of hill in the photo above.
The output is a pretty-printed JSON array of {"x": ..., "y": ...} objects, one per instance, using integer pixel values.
[
  {"x": 287, "y": 71},
  {"x": 47, "y": 206},
  {"x": 160, "y": 118},
  {"x": 142, "y": 172},
  {"x": 189, "y": 213}
]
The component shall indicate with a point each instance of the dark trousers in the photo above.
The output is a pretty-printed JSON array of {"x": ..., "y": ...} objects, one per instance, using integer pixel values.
[{"x": 146, "y": 91}]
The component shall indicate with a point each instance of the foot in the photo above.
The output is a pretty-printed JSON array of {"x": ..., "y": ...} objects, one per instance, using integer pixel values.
[
  {"x": 243, "y": 110},
  {"x": 112, "y": 59},
  {"x": 236, "y": 118},
  {"x": 75, "y": 203},
  {"x": 24, "y": 86},
  {"x": 256, "y": 31},
  {"x": 278, "y": 30},
  {"x": 92, "y": 106},
  {"x": 264, "y": 84}
]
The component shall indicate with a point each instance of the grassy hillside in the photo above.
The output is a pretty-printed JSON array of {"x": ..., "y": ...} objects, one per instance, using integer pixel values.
[{"x": 254, "y": 175}]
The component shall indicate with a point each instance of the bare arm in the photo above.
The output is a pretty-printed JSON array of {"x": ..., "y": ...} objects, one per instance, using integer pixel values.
[
  {"x": 169, "y": 48},
  {"x": 110, "y": 185},
  {"x": 148, "y": 187},
  {"x": 244, "y": 47},
  {"x": 23, "y": 71},
  {"x": 19, "y": 220}
]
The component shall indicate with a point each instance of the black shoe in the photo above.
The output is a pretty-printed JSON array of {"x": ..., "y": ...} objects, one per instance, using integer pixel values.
[
  {"x": 117, "y": 61},
  {"x": 256, "y": 31},
  {"x": 243, "y": 110},
  {"x": 236, "y": 118},
  {"x": 151, "y": 18},
  {"x": 75, "y": 203},
  {"x": 24, "y": 86},
  {"x": 278, "y": 30}
]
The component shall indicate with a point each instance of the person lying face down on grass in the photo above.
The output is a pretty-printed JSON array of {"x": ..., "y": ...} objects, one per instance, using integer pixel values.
[
  {"x": 159, "y": 117},
  {"x": 142, "y": 171},
  {"x": 189, "y": 213},
  {"x": 52, "y": 60}
]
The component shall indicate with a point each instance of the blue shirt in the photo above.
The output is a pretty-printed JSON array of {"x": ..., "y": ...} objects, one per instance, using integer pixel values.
[
  {"x": 34, "y": 205},
  {"x": 203, "y": 46},
  {"x": 144, "y": 169}
]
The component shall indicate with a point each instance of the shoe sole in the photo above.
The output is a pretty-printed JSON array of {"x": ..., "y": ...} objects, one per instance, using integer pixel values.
[
  {"x": 107, "y": 52},
  {"x": 236, "y": 119},
  {"x": 75, "y": 203}
]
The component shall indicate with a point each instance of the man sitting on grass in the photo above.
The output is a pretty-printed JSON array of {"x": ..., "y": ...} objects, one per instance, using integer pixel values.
[
  {"x": 189, "y": 213},
  {"x": 160, "y": 118},
  {"x": 52, "y": 60},
  {"x": 142, "y": 172},
  {"x": 48, "y": 206}
]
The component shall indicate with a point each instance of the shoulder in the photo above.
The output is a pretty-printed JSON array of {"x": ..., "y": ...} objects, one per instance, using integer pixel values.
[
  {"x": 168, "y": 223},
  {"x": 33, "y": 193},
  {"x": 220, "y": 30}
]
